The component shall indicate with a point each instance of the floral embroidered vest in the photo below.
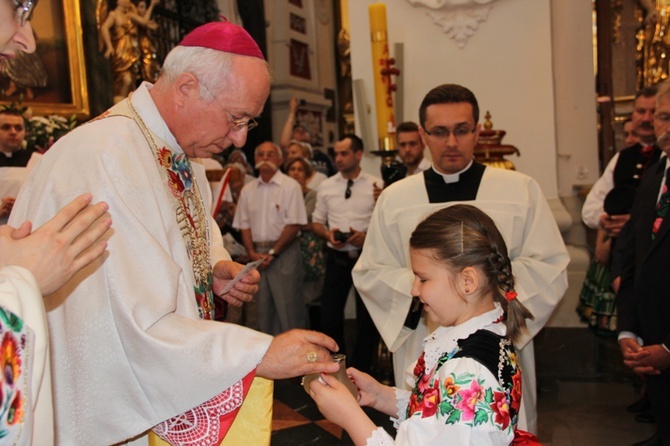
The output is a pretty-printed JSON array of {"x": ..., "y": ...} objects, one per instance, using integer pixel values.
[{"x": 457, "y": 398}]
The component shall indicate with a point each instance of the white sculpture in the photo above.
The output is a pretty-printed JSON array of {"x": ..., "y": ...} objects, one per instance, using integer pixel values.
[{"x": 459, "y": 19}]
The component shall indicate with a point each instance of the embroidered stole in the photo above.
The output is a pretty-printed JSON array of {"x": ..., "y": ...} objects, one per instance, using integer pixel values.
[{"x": 190, "y": 213}]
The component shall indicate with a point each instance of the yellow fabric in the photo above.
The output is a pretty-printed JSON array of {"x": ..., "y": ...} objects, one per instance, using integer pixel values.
[{"x": 253, "y": 424}]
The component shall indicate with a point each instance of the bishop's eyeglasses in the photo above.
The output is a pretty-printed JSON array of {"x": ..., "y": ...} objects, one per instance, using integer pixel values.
[{"x": 236, "y": 124}]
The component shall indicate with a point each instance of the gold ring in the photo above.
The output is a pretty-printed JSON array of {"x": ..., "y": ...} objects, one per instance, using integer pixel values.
[{"x": 312, "y": 357}]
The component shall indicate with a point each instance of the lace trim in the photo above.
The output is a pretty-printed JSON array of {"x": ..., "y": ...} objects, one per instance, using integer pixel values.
[
  {"x": 200, "y": 426},
  {"x": 402, "y": 402},
  {"x": 380, "y": 437}
]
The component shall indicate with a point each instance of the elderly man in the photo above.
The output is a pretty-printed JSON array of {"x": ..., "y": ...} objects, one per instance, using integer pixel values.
[
  {"x": 449, "y": 116},
  {"x": 643, "y": 299},
  {"x": 134, "y": 343},
  {"x": 269, "y": 214}
]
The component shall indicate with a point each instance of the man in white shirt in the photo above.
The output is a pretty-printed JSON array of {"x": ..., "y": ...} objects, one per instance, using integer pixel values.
[
  {"x": 410, "y": 147},
  {"x": 344, "y": 204},
  {"x": 449, "y": 116},
  {"x": 269, "y": 214}
]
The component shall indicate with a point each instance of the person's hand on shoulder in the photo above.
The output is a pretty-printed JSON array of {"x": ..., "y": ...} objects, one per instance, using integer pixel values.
[{"x": 61, "y": 247}]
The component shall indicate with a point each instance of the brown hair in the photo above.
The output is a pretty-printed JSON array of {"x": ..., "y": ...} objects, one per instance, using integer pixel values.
[
  {"x": 462, "y": 236},
  {"x": 305, "y": 165}
]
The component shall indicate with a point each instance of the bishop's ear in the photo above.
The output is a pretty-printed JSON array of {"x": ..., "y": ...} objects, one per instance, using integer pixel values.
[{"x": 188, "y": 88}]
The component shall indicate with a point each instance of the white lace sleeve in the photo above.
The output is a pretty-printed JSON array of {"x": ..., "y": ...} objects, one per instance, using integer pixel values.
[
  {"x": 402, "y": 401},
  {"x": 380, "y": 437}
]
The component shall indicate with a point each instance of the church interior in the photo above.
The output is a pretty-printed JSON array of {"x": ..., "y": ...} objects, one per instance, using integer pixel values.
[{"x": 555, "y": 80}]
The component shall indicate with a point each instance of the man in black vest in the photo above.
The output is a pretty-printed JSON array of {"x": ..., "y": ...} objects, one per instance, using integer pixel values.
[{"x": 626, "y": 167}]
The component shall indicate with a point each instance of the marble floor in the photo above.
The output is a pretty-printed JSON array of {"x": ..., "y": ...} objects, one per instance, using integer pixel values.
[{"x": 583, "y": 391}]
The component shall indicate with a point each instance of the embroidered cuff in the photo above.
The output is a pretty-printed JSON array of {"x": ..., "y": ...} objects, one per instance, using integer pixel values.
[
  {"x": 402, "y": 401},
  {"x": 380, "y": 437}
]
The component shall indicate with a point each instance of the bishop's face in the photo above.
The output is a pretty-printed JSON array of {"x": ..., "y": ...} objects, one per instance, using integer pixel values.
[{"x": 451, "y": 133}]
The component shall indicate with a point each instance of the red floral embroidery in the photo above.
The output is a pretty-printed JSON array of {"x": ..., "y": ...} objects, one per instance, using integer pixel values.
[
  {"x": 420, "y": 366},
  {"x": 516, "y": 391},
  {"x": 431, "y": 400},
  {"x": 500, "y": 407},
  {"x": 469, "y": 399},
  {"x": 175, "y": 183},
  {"x": 10, "y": 361},
  {"x": 165, "y": 157}
]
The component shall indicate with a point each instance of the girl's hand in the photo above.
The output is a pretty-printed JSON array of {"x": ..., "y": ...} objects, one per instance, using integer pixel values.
[
  {"x": 368, "y": 387},
  {"x": 334, "y": 400}
]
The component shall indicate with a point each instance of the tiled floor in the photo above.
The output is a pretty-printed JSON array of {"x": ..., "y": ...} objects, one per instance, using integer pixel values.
[{"x": 583, "y": 392}]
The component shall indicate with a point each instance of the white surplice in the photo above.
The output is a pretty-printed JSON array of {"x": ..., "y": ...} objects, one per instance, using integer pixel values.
[
  {"x": 383, "y": 274},
  {"x": 128, "y": 347}
]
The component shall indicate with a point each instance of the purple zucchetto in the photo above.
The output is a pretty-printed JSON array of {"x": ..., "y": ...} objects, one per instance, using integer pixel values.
[{"x": 223, "y": 36}]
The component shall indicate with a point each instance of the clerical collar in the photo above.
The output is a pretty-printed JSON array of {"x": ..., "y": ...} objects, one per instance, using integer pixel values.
[
  {"x": 453, "y": 177},
  {"x": 7, "y": 154},
  {"x": 464, "y": 189}
]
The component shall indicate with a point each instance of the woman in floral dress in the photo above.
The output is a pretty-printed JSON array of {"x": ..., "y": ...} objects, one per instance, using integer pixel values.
[{"x": 467, "y": 382}]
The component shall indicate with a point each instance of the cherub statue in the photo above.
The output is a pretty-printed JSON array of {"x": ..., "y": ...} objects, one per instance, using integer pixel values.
[{"x": 119, "y": 37}]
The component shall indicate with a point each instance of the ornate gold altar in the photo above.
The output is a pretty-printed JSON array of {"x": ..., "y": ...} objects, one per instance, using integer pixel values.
[{"x": 490, "y": 150}]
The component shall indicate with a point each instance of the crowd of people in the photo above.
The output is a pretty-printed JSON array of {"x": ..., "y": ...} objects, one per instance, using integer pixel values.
[{"x": 456, "y": 267}]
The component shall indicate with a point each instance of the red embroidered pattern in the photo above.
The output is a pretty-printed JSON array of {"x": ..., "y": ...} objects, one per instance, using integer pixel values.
[{"x": 201, "y": 425}]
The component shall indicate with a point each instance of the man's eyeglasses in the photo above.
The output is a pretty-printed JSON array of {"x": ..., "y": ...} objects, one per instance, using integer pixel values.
[
  {"x": 24, "y": 10},
  {"x": 236, "y": 124},
  {"x": 444, "y": 133},
  {"x": 347, "y": 193}
]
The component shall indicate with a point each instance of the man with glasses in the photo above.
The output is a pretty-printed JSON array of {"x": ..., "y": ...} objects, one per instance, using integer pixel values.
[
  {"x": 344, "y": 204},
  {"x": 270, "y": 213},
  {"x": 449, "y": 116},
  {"x": 134, "y": 343}
]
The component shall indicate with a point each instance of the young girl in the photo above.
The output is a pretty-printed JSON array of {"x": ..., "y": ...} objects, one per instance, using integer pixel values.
[{"x": 467, "y": 381}]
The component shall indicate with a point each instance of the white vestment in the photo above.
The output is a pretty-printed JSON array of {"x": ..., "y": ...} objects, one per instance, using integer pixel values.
[
  {"x": 383, "y": 274},
  {"x": 128, "y": 347},
  {"x": 20, "y": 294}
]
